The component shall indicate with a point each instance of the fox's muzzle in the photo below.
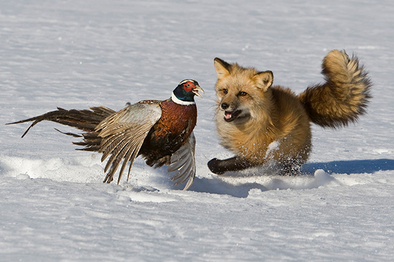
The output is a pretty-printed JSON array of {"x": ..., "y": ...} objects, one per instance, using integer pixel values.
[{"x": 224, "y": 106}]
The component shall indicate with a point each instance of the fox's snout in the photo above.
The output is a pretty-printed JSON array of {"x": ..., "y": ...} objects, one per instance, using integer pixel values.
[
  {"x": 229, "y": 103},
  {"x": 232, "y": 110},
  {"x": 224, "y": 105}
]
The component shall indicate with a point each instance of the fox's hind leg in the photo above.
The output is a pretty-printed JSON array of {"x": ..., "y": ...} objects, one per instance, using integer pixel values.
[
  {"x": 289, "y": 168},
  {"x": 291, "y": 165}
]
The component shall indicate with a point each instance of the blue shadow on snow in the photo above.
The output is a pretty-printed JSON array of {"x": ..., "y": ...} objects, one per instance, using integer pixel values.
[{"x": 350, "y": 166}]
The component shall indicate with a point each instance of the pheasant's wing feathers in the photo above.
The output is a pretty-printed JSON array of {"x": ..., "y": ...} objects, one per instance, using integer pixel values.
[
  {"x": 123, "y": 134},
  {"x": 183, "y": 161}
]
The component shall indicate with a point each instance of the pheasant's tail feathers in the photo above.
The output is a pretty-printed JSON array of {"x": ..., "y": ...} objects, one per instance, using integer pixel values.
[
  {"x": 343, "y": 97},
  {"x": 85, "y": 120}
]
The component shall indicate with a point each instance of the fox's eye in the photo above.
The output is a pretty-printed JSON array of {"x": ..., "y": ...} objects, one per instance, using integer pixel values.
[
  {"x": 225, "y": 91},
  {"x": 242, "y": 93}
]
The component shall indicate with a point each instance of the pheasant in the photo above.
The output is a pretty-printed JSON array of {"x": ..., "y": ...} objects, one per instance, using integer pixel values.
[{"x": 160, "y": 131}]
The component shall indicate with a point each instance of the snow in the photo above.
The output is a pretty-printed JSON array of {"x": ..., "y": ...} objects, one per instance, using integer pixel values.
[{"x": 76, "y": 54}]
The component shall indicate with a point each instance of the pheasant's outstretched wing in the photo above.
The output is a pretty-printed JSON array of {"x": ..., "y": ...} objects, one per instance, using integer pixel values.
[
  {"x": 123, "y": 134},
  {"x": 183, "y": 161}
]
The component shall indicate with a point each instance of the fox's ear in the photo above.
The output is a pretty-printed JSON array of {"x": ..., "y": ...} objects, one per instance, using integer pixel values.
[
  {"x": 264, "y": 79},
  {"x": 222, "y": 67}
]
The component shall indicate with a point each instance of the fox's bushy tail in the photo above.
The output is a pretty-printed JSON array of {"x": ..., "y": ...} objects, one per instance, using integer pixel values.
[
  {"x": 85, "y": 120},
  {"x": 344, "y": 95}
]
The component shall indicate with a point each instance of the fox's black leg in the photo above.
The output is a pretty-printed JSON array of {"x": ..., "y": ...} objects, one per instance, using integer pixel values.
[{"x": 219, "y": 167}]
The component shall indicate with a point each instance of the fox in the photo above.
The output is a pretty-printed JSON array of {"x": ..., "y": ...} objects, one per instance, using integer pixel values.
[{"x": 264, "y": 124}]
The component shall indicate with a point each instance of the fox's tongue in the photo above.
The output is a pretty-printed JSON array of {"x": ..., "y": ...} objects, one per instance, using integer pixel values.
[
  {"x": 231, "y": 115},
  {"x": 227, "y": 115}
]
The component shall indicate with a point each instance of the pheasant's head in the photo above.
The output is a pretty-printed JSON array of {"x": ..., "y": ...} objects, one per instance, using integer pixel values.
[{"x": 185, "y": 91}]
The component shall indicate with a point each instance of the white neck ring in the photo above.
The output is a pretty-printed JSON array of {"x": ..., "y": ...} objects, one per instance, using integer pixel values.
[{"x": 180, "y": 102}]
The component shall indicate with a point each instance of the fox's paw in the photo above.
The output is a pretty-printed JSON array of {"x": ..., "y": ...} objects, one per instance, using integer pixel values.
[{"x": 214, "y": 166}]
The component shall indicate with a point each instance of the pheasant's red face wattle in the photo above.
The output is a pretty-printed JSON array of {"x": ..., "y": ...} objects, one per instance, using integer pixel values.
[{"x": 188, "y": 86}]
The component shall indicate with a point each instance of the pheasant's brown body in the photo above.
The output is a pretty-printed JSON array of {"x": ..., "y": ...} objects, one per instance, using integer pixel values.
[{"x": 170, "y": 132}]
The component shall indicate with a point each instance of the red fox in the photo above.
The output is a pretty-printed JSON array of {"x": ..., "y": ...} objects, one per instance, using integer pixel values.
[{"x": 261, "y": 123}]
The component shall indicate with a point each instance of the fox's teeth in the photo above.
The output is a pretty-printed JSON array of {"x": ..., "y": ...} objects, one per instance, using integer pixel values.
[{"x": 231, "y": 115}]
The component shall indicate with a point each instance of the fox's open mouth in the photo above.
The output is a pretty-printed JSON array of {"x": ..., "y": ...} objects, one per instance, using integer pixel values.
[{"x": 231, "y": 115}]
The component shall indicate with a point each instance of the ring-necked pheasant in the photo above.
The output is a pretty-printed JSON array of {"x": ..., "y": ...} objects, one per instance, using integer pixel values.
[{"x": 160, "y": 131}]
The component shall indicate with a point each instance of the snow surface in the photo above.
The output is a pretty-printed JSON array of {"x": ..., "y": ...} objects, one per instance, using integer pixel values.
[{"x": 76, "y": 54}]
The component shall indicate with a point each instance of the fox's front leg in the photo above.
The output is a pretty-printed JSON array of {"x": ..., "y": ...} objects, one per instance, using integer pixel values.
[{"x": 236, "y": 163}]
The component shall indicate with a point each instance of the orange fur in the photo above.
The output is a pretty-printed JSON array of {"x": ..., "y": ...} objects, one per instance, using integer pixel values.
[{"x": 260, "y": 122}]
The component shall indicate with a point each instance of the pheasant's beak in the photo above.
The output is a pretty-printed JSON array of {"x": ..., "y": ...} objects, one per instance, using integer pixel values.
[{"x": 196, "y": 89}]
